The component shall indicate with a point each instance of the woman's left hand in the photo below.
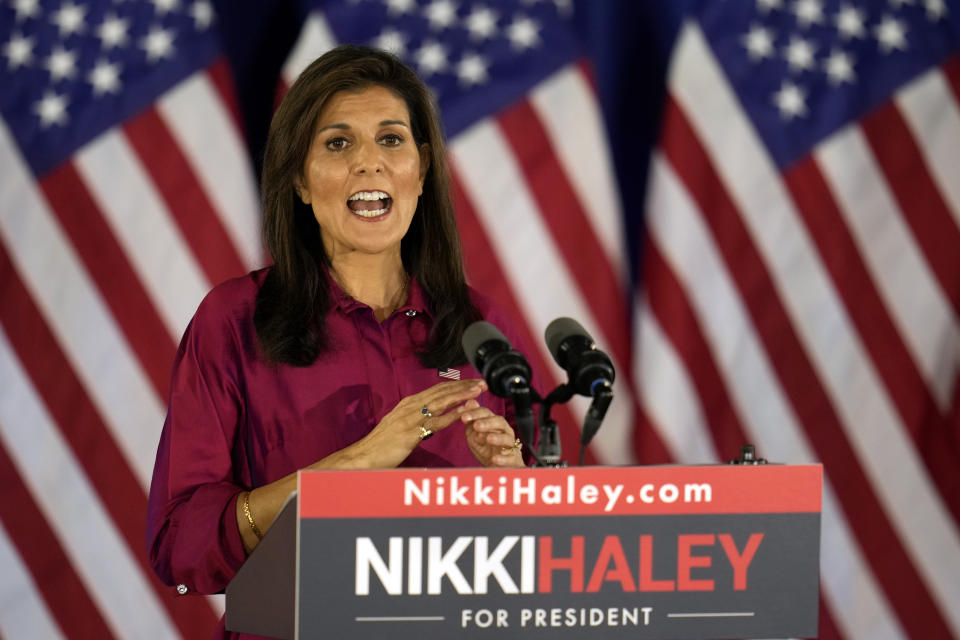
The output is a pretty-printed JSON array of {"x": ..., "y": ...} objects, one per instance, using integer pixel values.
[{"x": 490, "y": 437}]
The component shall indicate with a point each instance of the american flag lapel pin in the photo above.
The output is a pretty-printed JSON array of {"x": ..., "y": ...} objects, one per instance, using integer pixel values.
[{"x": 449, "y": 374}]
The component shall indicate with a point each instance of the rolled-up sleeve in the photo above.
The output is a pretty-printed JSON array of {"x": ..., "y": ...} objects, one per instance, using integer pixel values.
[{"x": 192, "y": 535}]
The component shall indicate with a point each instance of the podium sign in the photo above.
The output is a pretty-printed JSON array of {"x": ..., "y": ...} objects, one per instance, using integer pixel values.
[{"x": 652, "y": 552}]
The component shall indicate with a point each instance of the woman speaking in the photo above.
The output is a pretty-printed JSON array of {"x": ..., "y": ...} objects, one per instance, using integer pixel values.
[{"x": 340, "y": 355}]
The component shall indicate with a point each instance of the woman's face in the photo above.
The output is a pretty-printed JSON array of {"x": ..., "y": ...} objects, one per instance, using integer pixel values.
[{"x": 363, "y": 173}]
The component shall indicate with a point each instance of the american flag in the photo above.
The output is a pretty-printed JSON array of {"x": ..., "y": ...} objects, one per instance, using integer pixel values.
[
  {"x": 126, "y": 193},
  {"x": 799, "y": 297},
  {"x": 801, "y": 282}
]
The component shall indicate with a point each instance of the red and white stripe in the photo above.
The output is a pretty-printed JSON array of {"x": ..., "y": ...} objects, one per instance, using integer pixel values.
[
  {"x": 103, "y": 261},
  {"x": 25, "y": 614},
  {"x": 814, "y": 314},
  {"x": 71, "y": 506},
  {"x": 691, "y": 261}
]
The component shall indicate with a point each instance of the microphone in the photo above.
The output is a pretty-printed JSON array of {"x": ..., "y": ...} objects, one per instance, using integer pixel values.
[
  {"x": 573, "y": 349},
  {"x": 589, "y": 370},
  {"x": 506, "y": 371},
  {"x": 493, "y": 356}
]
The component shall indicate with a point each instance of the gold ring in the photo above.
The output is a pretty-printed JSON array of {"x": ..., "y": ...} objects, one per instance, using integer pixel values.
[
  {"x": 517, "y": 446},
  {"x": 426, "y": 412},
  {"x": 425, "y": 433}
]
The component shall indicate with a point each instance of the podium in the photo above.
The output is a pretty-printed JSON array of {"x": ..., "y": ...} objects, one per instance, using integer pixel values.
[{"x": 613, "y": 552}]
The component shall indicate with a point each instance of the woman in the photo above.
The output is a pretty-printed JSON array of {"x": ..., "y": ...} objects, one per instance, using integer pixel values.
[{"x": 331, "y": 358}]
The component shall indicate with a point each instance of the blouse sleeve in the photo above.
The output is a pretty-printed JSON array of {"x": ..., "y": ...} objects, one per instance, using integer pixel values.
[{"x": 192, "y": 534}]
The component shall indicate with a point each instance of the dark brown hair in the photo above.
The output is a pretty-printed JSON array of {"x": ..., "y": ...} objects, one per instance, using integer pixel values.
[{"x": 294, "y": 299}]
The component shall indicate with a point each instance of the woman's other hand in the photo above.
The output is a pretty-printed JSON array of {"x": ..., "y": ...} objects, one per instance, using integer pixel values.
[
  {"x": 399, "y": 432},
  {"x": 490, "y": 437}
]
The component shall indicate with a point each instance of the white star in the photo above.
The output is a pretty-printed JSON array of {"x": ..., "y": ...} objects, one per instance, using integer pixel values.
[
  {"x": 523, "y": 33},
  {"x": 158, "y": 44},
  {"x": 799, "y": 54},
  {"x": 936, "y": 9},
  {"x": 19, "y": 51},
  {"x": 400, "y": 7},
  {"x": 808, "y": 12},
  {"x": 52, "y": 109},
  {"x": 441, "y": 14},
  {"x": 69, "y": 19},
  {"x": 431, "y": 57},
  {"x": 839, "y": 66},
  {"x": 791, "y": 100},
  {"x": 202, "y": 14},
  {"x": 472, "y": 69},
  {"x": 164, "y": 7},
  {"x": 105, "y": 78},
  {"x": 769, "y": 5},
  {"x": 759, "y": 42},
  {"x": 26, "y": 9},
  {"x": 849, "y": 22},
  {"x": 113, "y": 31},
  {"x": 891, "y": 34},
  {"x": 482, "y": 23},
  {"x": 564, "y": 7},
  {"x": 61, "y": 64},
  {"x": 391, "y": 40}
]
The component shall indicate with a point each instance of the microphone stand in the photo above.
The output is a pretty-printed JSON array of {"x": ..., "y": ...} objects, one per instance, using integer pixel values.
[
  {"x": 547, "y": 453},
  {"x": 548, "y": 449}
]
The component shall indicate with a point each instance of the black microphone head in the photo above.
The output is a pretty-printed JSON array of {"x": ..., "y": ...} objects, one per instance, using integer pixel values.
[
  {"x": 589, "y": 369},
  {"x": 490, "y": 353},
  {"x": 558, "y": 331},
  {"x": 473, "y": 338}
]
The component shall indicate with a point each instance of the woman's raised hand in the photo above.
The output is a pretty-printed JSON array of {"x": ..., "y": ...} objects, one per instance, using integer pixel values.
[
  {"x": 490, "y": 437},
  {"x": 413, "y": 419}
]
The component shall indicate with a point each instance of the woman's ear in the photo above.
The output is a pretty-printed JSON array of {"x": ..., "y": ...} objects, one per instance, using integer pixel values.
[
  {"x": 424, "y": 163},
  {"x": 302, "y": 192}
]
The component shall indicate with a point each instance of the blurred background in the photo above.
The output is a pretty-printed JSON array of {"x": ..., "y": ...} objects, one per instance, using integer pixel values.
[{"x": 752, "y": 205}]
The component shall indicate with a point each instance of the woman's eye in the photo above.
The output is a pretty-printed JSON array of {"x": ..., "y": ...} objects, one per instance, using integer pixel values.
[
  {"x": 391, "y": 140},
  {"x": 337, "y": 144}
]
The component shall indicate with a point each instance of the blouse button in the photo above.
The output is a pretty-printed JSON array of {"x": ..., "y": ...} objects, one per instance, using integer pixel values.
[
  {"x": 411, "y": 313},
  {"x": 182, "y": 589}
]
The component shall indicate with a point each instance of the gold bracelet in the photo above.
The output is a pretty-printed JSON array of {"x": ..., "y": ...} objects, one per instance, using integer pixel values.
[{"x": 246, "y": 512}]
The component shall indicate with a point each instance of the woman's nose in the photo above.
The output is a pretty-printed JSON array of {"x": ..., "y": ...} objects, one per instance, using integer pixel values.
[{"x": 367, "y": 158}]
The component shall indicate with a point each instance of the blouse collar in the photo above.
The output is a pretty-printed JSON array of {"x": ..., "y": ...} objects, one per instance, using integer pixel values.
[{"x": 416, "y": 299}]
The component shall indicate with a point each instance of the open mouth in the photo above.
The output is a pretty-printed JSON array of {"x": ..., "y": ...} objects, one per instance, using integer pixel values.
[{"x": 369, "y": 204}]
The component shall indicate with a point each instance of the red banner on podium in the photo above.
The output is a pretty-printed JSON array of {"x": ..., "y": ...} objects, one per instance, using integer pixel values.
[{"x": 625, "y": 491}]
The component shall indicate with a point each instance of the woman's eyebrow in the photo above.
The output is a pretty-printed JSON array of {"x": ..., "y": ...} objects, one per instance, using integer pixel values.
[
  {"x": 344, "y": 126},
  {"x": 335, "y": 125}
]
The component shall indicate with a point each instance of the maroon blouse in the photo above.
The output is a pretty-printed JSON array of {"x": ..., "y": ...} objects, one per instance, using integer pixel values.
[{"x": 235, "y": 422}]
